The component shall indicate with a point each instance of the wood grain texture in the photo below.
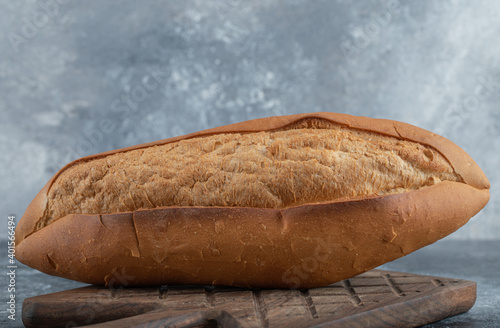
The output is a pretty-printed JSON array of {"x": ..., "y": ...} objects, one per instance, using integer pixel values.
[{"x": 373, "y": 299}]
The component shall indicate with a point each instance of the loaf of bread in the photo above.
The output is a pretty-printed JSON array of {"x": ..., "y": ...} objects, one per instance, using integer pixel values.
[{"x": 293, "y": 201}]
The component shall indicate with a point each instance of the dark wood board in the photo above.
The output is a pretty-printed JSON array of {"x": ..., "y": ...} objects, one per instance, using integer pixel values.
[{"x": 373, "y": 299}]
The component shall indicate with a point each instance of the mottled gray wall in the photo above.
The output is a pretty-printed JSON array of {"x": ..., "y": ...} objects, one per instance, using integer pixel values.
[{"x": 81, "y": 77}]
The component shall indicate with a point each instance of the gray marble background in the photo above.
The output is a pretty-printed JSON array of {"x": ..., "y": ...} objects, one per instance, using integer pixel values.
[{"x": 82, "y": 77}]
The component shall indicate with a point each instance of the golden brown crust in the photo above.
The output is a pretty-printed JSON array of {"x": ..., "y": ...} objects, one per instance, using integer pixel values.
[
  {"x": 366, "y": 231},
  {"x": 299, "y": 247}
]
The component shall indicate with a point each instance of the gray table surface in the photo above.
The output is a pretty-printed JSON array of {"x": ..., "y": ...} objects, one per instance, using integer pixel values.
[{"x": 472, "y": 260}]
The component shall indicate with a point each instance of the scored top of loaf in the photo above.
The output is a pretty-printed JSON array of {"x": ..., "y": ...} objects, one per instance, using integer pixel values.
[
  {"x": 311, "y": 161},
  {"x": 427, "y": 158}
]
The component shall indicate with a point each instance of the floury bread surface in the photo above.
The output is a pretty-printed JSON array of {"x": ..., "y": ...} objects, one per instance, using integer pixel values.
[
  {"x": 266, "y": 169},
  {"x": 292, "y": 201}
]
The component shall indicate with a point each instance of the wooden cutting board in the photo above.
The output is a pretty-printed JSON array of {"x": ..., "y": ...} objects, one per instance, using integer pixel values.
[{"x": 373, "y": 299}]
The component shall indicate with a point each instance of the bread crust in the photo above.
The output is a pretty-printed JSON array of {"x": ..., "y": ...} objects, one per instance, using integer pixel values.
[{"x": 230, "y": 246}]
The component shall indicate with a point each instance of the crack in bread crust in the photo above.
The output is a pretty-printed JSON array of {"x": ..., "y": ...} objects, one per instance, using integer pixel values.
[{"x": 309, "y": 161}]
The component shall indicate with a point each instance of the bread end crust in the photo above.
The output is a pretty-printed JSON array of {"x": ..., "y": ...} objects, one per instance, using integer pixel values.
[{"x": 33, "y": 214}]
